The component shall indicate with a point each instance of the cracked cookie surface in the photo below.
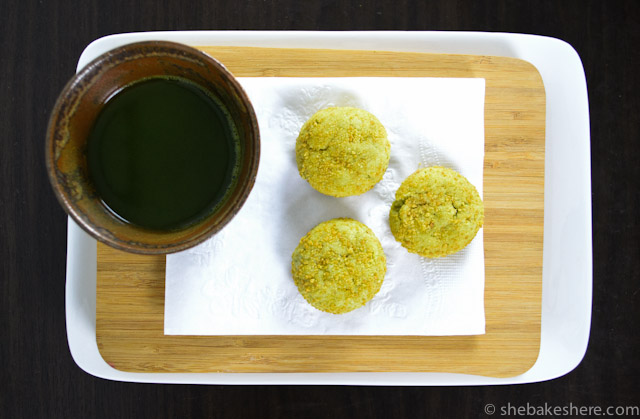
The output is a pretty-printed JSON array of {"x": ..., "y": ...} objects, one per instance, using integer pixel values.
[
  {"x": 339, "y": 265},
  {"x": 342, "y": 151},
  {"x": 437, "y": 212}
]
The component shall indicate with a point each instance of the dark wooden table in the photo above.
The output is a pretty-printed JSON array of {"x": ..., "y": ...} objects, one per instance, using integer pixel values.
[{"x": 40, "y": 45}]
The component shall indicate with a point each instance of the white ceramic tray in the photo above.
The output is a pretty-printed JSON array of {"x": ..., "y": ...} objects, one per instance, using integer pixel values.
[{"x": 567, "y": 257}]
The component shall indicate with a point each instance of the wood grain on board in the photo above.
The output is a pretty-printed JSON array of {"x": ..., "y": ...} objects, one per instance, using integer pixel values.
[{"x": 130, "y": 288}]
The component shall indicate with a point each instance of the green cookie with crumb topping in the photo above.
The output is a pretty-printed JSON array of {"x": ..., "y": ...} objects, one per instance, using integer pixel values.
[
  {"x": 437, "y": 212},
  {"x": 342, "y": 151},
  {"x": 338, "y": 265}
]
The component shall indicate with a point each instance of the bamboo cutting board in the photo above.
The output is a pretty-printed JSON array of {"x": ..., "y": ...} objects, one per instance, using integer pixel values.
[{"x": 130, "y": 288}]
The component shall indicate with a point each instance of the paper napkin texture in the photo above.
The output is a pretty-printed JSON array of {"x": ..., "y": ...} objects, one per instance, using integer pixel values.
[{"x": 239, "y": 282}]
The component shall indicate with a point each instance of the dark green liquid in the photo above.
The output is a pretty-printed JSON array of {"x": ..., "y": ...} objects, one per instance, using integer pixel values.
[{"x": 162, "y": 153}]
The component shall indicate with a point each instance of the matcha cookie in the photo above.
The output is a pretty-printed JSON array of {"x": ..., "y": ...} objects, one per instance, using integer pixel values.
[
  {"x": 437, "y": 212},
  {"x": 339, "y": 265},
  {"x": 342, "y": 151}
]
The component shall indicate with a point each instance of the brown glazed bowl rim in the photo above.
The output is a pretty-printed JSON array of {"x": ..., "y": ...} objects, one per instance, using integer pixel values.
[{"x": 241, "y": 189}]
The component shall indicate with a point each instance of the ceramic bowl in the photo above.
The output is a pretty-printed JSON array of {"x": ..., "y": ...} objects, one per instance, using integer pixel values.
[{"x": 80, "y": 103}]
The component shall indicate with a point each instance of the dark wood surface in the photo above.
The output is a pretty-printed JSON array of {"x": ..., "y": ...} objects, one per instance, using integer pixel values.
[{"x": 40, "y": 44}]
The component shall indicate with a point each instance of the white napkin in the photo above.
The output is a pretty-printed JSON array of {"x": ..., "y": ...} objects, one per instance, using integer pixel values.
[{"x": 239, "y": 282}]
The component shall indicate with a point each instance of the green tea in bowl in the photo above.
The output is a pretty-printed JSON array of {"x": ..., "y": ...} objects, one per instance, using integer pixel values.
[
  {"x": 162, "y": 153},
  {"x": 153, "y": 147}
]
